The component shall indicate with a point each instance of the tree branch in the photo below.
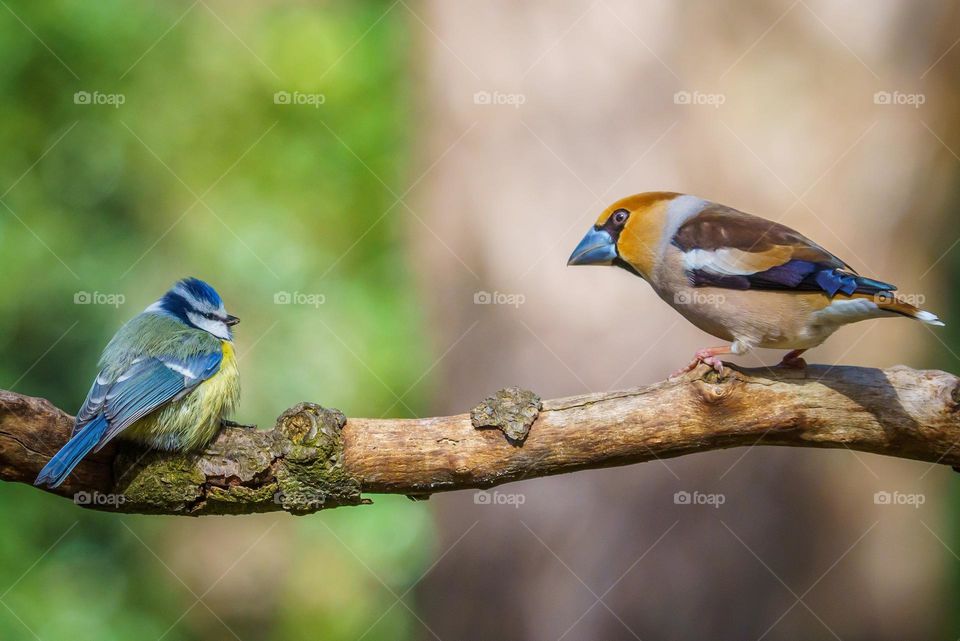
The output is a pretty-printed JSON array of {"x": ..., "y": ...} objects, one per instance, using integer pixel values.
[{"x": 315, "y": 458}]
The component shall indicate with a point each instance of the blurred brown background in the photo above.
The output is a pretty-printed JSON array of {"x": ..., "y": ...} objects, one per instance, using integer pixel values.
[{"x": 787, "y": 127}]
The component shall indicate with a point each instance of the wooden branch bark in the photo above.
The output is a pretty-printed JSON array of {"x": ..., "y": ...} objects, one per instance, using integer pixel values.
[{"x": 315, "y": 458}]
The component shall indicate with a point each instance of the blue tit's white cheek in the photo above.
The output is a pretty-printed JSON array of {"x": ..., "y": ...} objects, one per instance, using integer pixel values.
[{"x": 216, "y": 327}]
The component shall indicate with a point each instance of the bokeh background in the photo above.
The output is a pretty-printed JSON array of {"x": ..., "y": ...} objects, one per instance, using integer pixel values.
[{"x": 355, "y": 178}]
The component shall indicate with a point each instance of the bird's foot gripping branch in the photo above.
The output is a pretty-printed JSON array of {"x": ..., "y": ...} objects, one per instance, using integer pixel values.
[
  {"x": 314, "y": 458},
  {"x": 297, "y": 466}
]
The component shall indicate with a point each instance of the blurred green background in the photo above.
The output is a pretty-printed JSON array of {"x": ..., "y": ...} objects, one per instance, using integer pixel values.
[{"x": 201, "y": 172}]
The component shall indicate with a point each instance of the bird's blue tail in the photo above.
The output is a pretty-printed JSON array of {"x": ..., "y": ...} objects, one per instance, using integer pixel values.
[
  {"x": 59, "y": 467},
  {"x": 834, "y": 280}
]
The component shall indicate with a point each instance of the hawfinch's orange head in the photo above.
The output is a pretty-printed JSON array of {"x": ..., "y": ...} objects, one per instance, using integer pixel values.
[{"x": 626, "y": 234}]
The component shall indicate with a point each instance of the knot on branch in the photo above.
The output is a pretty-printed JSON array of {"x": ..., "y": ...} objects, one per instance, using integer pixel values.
[
  {"x": 512, "y": 411},
  {"x": 297, "y": 467},
  {"x": 312, "y": 476},
  {"x": 713, "y": 389}
]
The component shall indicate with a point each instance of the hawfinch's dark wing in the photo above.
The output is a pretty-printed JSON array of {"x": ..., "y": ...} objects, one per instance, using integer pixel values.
[{"x": 723, "y": 247}]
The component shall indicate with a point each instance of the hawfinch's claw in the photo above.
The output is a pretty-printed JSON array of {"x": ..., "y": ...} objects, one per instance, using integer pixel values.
[
  {"x": 716, "y": 364},
  {"x": 705, "y": 356}
]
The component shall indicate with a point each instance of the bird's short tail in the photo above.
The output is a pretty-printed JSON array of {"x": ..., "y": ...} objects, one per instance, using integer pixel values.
[
  {"x": 59, "y": 467},
  {"x": 890, "y": 302}
]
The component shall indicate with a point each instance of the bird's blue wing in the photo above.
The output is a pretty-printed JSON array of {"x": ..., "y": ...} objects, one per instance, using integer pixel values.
[
  {"x": 93, "y": 405},
  {"x": 147, "y": 385},
  {"x": 114, "y": 403}
]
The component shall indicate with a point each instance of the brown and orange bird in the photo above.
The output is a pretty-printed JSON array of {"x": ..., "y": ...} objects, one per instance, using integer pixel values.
[{"x": 739, "y": 277}]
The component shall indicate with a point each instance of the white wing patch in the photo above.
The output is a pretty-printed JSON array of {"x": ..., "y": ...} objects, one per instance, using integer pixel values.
[
  {"x": 727, "y": 262},
  {"x": 180, "y": 369}
]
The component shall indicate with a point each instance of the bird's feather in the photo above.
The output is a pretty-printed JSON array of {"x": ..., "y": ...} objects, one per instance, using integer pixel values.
[
  {"x": 723, "y": 247},
  {"x": 62, "y": 463},
  {"x": 151, "y": 383}
]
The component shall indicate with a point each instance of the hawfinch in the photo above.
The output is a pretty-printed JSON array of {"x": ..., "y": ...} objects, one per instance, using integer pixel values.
[{"x": 741, "y": 278}]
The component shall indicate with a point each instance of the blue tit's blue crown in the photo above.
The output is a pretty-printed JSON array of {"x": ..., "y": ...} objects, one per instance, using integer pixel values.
[
  {"x": 199, "y": 291},
  {"x": 198, "y": 305},
  {"x": 190, "y": 295}
]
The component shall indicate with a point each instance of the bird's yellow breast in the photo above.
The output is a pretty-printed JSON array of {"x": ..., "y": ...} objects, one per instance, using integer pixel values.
[
  {"x": 225, "y": 384},
  {"x": 192, "y": 421}
]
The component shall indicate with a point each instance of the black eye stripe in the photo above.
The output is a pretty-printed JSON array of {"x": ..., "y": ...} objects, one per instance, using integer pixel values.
[{"x": 613, "y": 226}]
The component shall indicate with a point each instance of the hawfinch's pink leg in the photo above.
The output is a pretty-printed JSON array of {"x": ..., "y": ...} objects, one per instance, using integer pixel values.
[
  {"x": 706, "y": 355},
  {"x": 793, "y": 360}
]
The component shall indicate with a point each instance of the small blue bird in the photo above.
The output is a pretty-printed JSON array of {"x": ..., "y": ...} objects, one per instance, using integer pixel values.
[{"x": 167, "y": 379}]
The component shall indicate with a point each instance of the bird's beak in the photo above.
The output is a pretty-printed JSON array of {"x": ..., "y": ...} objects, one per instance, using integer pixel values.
[
  {"x": 232, "y": 320},
  {"x": 596, "y": 248}
]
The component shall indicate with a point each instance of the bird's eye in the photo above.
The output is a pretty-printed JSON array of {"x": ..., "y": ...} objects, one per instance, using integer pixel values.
[{"x": 620, "y": 216}]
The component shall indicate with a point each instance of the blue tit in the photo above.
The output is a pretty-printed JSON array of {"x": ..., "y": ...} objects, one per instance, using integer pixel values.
[{"x": 167, "y": 379}]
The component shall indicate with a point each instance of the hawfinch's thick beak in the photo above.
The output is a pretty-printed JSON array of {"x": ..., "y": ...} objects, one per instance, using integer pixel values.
[
  {"x": 232, "y": 320},
  {"x": 596, "y": 248}
]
